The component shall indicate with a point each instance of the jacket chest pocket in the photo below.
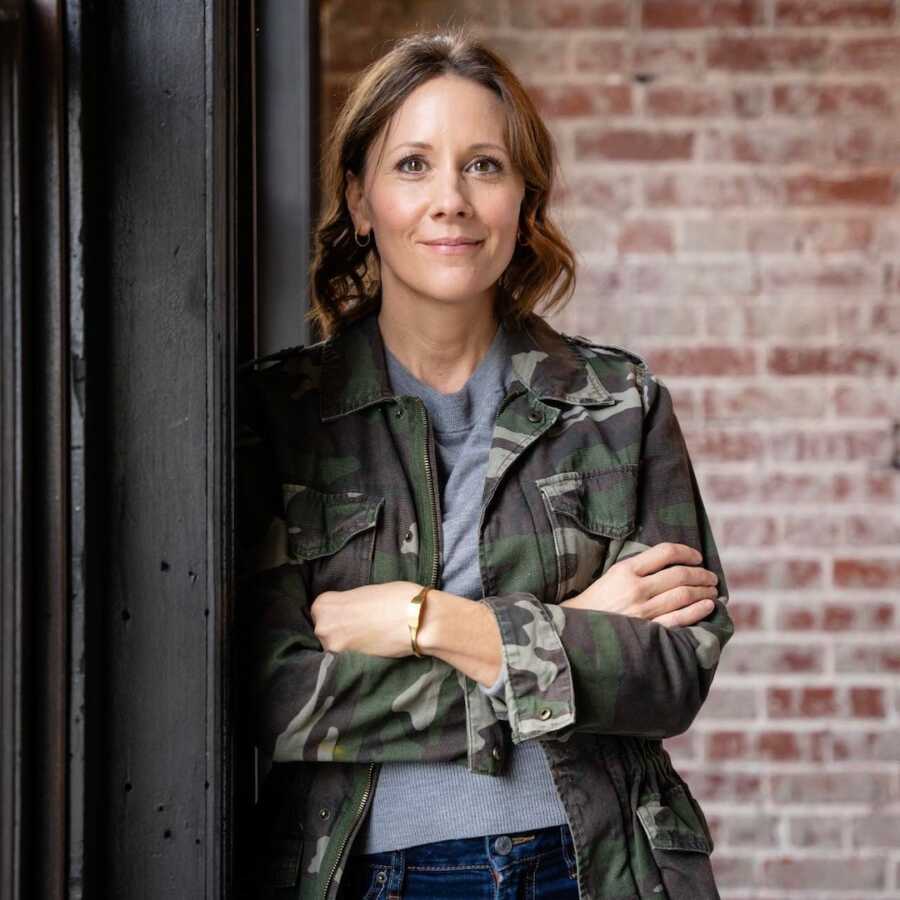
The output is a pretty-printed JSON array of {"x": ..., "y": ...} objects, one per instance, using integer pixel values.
[
  {"x": 334, "y": 533},
  {"x": 587, "y": 511}
]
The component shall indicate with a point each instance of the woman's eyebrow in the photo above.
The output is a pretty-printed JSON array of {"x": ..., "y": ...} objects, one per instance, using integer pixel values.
[{"x": 425, "y": 146}]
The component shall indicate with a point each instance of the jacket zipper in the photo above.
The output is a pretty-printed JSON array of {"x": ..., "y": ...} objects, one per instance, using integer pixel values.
[
  {"x": 362, "y": 805},
  {"x": 435, "y": 524},
  {"x": 435, "y": 571}
]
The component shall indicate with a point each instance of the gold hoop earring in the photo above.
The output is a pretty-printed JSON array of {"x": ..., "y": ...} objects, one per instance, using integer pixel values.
[{"x": 366, "y": 243}]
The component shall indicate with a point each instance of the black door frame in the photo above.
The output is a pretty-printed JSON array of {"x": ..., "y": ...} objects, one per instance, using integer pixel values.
[{"x": 127, "y": 209}]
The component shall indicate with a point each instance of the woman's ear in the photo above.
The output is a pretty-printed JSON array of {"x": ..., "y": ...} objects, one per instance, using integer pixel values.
[{"x": 356, "y": 202}]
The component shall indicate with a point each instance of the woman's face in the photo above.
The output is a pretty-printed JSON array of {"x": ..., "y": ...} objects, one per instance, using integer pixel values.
[{"x": 440, "y": 170}]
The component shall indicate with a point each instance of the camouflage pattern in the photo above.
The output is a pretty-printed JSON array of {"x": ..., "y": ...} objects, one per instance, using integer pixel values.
[{"x": 587, "y": 466}]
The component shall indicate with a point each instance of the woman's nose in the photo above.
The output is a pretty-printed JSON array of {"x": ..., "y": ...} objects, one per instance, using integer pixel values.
[{"x": 450, "y": 195}]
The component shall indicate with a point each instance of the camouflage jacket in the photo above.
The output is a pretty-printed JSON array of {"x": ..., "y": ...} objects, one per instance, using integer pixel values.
[{"x": 336, "y": 489}]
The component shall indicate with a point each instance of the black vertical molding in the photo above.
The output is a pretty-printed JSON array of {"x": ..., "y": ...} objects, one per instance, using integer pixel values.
[{"x": 14, "y": 452}]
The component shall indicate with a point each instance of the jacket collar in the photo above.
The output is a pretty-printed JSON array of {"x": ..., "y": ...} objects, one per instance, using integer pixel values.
[{"x": 354, "y": 371}]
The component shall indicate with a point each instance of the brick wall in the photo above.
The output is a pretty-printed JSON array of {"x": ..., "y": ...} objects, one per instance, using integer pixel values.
[{"x": 732, "y": 174}]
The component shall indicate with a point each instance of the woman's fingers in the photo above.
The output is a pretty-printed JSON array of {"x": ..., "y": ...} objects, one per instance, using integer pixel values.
[
  {"x": 678, "y": 598},
  {"x": 676, "y": 576},
  {"x": 663, "y": 555},
  {"x": 687, "y": 615}
]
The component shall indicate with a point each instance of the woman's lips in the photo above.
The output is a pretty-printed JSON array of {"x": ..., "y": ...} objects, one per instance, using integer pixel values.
[{"x": 454, "y": 249}]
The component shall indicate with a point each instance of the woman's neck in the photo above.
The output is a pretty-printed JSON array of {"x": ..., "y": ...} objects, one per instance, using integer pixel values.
[{"x": 440, "y": 346}]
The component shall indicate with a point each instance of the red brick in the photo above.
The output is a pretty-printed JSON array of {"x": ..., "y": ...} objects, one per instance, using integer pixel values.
[
  {"x": 873, "y": 574},
  {"x": 666, "y": 57},
  {"x": 859, "y": 617},
  {"x": 723, "y": 446},
  {"x": 599, "y": 192},
  {"x": 748, "y": 830},
  {"x": 855, "y": 616},
  {"x": 869, "y": 189},
  {"x": 723, "y": 786},
  {"x": 857, "y": 13},
  {"x": 713, "y": 191},
  {"x": 822, "y": 236},
  {"x": 867, "y": 702},
  {"x": 870, "y": 401},
  {"x": 747, "y": 530},
  {"x": 563, "y": 101},
  {"x": 866, "y": 745},
  {"x": 873, "y": 530},
  {"x": 646, "y": 236},
  {"x": 870, "y": 658},
  {"x": 769, "y": 320},
  {"x": 882, "y": 830},
  {"x": 765, "y": 573},
  {"x": 547, "y": 54},
  {"x": 857, "y": 144},
  {"x": 733, "y": 871},
  {"x": 765, "y": 53},
  {"x": 724, "y": 702},
  {"x": 815, "y": 530},
  {"x": 690, "y": 101},
  {"x": 827, "y": 873},
  {"x": 701, "y": 13},
  {"x": 870, "y": 54},
  {"x": 886, "y": 319},
  {"x": 831, "y": 787},
  {"x": 870, "y": 445},
  {"x": 831, "y": 361},
  {"x": 745, "y": 616},
  {"x": 765, "y": 146},
  {"x": 572, "y": 14},
  {"x": 763, "y": 401},
  {"x": 798, "y": 279},
  {"x": 711, "y": 360},
  {"x": 594, "y": 55},
  {"x": 755, "y": 658},
  {"x": 722, "y": 745},
  {"x": 790, "y": 746},
  {"x": 813, "y": 702},
  {"x": 833, "y": 99},
  {"x": 817, "y": 831},
  {"x": 633, "y": 144}
]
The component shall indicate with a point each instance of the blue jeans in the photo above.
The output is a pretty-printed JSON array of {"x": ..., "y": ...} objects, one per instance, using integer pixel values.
[{"x": 518, "y": 865}]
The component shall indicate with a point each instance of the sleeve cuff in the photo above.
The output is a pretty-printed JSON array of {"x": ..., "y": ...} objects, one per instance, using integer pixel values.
[{"x": 538, "y": 688}]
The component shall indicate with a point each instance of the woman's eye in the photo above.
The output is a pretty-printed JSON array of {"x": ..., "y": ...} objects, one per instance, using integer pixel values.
[
  {"x": 409, "y": 159},
  {"x": 485, "y": 165}
]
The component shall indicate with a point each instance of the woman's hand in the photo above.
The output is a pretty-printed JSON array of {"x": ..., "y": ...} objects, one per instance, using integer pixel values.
[
  {"x": 371, "y": 619},
  {"x": 664, "y": 583}
]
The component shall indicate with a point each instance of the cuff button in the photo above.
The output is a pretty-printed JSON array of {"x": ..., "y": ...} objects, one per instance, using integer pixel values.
[{"x": 545, "y": 713}]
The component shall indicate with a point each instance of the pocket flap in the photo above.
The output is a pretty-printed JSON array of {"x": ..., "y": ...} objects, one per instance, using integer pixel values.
[
  {"x": 672, "y": 823},
  {"x": 319, "y": 524},
  {"x": 601, "y": 502}
]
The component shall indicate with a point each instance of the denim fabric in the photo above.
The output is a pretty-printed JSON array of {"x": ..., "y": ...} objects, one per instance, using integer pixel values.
[{"x": 518, "y": 865}]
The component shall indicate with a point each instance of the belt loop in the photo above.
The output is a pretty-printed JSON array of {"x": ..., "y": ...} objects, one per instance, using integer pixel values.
[{"x": 397, "y": 876}]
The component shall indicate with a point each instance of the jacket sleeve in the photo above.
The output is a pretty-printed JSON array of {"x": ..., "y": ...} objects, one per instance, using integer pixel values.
[
  {"x": 311, "y": 704},
  {"x": 571, "y": 669}
]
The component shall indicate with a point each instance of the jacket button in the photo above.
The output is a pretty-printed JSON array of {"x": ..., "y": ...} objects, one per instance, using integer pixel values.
[
  {"x": 381, "y": 877},
  {"x": 545, "y": 713},
  {"x": 535, "y": 415},
  {"x": 324, "y": 813},
  {"x": 398, "y": 410},
  {"x": 497, "y": 753}
]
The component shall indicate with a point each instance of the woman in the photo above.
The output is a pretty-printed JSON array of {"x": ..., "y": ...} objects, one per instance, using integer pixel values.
[{"x": 483, "y": 576}]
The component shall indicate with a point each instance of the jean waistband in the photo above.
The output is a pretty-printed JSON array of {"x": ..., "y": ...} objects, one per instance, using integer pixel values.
[{"x": 500, "y": 849}]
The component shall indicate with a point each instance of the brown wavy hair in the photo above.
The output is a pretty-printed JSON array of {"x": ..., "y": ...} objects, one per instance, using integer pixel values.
[{"x": 344, "y": 282}]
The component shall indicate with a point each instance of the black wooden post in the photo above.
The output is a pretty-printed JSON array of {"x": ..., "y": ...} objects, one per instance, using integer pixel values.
[{"x": 125, "y": 247}]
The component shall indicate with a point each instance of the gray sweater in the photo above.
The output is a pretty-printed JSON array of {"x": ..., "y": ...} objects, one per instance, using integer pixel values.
[{"x": 420, "y": 802}]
